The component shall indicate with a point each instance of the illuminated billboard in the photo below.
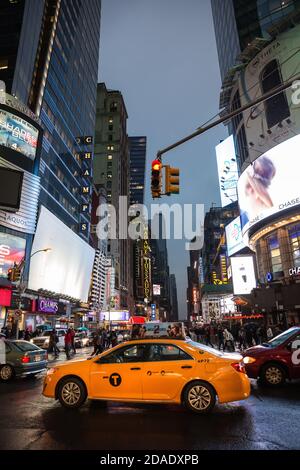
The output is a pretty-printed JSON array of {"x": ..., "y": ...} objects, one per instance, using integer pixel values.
[
  {"x": 227, "y": 171},
  {"x": 12, "y": 250},
  {"x": 243, "y": 275},
  {"x": 18, "y": 134},
  {"x": 271, "y": 184},
  {"x": 67, "y": 268},
  {"x": 234, "y": 238}
]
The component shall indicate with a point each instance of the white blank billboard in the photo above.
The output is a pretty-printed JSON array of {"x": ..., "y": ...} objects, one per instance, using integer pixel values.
[
  {"x": 243, "y": 275},
  {"x": 67, "y": 268}
]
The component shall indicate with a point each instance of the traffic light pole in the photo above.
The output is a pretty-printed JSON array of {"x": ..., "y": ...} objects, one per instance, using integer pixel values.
[{"x": 231, "y": 115}]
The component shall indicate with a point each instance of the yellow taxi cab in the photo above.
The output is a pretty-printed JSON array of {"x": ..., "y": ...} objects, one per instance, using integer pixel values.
[{"x": 152, "y": 371}]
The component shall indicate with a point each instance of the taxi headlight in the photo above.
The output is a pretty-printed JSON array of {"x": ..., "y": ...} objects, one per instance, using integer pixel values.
[
  {"x": 52, "y": 370},
  {"x": 248, "y": 360}
]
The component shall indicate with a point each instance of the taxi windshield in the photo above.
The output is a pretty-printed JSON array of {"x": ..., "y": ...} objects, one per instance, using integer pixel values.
[{"x": 203, "y": 347}]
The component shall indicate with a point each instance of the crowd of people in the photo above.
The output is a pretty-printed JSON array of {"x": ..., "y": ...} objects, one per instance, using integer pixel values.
[{"x": 237, "y": 337}]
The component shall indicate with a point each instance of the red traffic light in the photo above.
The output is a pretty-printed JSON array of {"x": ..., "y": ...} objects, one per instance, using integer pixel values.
[{"x": 156, "y": 165}]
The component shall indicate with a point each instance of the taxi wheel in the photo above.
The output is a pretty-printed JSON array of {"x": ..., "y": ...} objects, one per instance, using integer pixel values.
[
  {"x": 199, "y": 397},
  {"x": 272, "y": 375},
  {"x": 72, "y": 392},
  {"x": 6, "y": 373}
]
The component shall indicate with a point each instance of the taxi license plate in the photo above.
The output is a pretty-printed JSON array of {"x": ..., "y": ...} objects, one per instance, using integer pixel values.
[{"x": 37, "y": 358}]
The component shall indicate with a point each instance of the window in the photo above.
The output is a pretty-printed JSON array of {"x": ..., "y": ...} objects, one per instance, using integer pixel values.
[
  {"x": 109, "y": 157},
  {"x": 276, "y": 107},
  {"x": 135, "y": 353},
  {"x": 274, "y": 252},
  {"x": 167, "y": 352},
  {"x": 110, "y": 147},
  {"x": 294, "y": 235},
  {"x": 110, "y": 127}
]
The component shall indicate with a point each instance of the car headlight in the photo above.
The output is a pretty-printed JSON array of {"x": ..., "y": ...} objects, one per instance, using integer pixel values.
[
  {"x": 52, "y": 370},
  {"x": 249, "y": 360},
  {"x": 31, "y": 341}
]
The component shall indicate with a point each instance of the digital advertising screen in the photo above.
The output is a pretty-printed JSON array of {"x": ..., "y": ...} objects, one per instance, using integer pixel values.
[
  {"x": 10, "y": 189},
  {"x": 234, "y": 238},
  {"x": 243, "y": 274},
  {"x": 12, "y": 250},
  {"x": 227, "y": 171},
  {"x": 18, "y": 134},
  {"x": 270, "y": 184}
]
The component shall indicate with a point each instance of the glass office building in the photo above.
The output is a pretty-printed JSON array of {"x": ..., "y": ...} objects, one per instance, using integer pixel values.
[
  {"x": 49, "y": 59},
  {"x": 238, "y": 22},
  {"x": 137, "y": 149}
]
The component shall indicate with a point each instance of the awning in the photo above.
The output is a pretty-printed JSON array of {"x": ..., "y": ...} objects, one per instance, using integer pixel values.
[
  {"x": 244, "y": 317},
  {"x": 137, "y": 320}
]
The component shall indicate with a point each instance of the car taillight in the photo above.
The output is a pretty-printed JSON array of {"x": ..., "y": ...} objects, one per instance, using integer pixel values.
[
  {"x": 25, "y": 359},
  {"x": 239, "y": 367}
]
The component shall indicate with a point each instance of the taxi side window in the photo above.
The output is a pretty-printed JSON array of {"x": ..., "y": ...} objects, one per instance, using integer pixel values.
[
  {"x": 134, "y": 353},
  {"x": 167, "y": 352}
]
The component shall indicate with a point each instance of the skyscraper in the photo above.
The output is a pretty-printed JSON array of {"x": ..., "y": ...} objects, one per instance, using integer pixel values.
[
  {"x": 55, "y": 73},
  {"x": 238, "y": 22},
  {"x": 173, "y": 298},
  {"x": 137, "y": 149},
  {"x": 111, "y": 169}
]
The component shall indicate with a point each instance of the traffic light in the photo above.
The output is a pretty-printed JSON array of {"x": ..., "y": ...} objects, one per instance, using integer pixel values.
[
  {"x": 156, "y": 179},
  {"x": 10, "y": 274},
  {"x": 16, "y": 273},
  {"x": 172, "y": 180}
]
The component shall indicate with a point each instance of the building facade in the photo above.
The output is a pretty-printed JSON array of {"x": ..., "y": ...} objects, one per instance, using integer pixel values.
[
  {"x": 111, "y": 169},
  {"x": 137, "y": 150},
  {"x": 267, "y": 138},
  {"x": 174, "y": 314}
]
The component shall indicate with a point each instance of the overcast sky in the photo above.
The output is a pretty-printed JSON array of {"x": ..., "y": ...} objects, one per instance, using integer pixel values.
[{"x": 161, "y": 54}]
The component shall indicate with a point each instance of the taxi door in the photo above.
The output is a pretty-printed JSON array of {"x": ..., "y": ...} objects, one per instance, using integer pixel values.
[
  {"x": 117, "y": 375},
  {"x": 166, "y": 371}
]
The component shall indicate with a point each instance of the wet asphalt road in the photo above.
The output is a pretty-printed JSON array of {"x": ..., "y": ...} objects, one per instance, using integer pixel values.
[{"x": 268, "y": 420}]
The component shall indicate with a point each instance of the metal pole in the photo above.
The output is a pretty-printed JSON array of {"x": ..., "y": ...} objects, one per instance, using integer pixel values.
[{"x": 201, "y": 130}]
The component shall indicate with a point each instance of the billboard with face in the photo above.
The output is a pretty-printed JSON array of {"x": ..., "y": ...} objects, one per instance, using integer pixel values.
[
  {"x": 12, "y": 250},
  {"x": 18, "y": 134},
  {"x": 271, "y": 184}
]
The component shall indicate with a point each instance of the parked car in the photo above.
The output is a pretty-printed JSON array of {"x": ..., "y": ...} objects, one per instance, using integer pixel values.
[
  {"x": 276, "y": 360},
  {"x": 81, "y": 340},
  {"x": 20, "y": 359},
  {"x": 43, "y": 340}
]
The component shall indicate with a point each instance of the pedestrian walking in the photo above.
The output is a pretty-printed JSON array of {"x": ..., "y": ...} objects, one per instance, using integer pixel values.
[
  {"x": 242, "y": 339},
  {"x": 207, "y": 337},
  {"x": 269, "y": 333},
  {"x": 228, "y": 340},
  {"x": 53, "y": 340},
  {"x": 72, "y": 331},
  {"x": 27, "y": 335},
  {"x": 68, "y": 343},
  {"x": 220, "y": 334}
]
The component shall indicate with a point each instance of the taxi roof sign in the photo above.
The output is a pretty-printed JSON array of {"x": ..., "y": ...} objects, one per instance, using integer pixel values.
[{"x": 158, "y": 330}]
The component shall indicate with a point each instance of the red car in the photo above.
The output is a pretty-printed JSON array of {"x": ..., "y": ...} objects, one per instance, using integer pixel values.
[{"x": 275, "y": 361}]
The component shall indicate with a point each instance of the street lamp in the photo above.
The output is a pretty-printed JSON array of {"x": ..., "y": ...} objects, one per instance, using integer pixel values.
[
  {"x": 44, "y": 250},
  {"x": 22, "y": 287}
]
